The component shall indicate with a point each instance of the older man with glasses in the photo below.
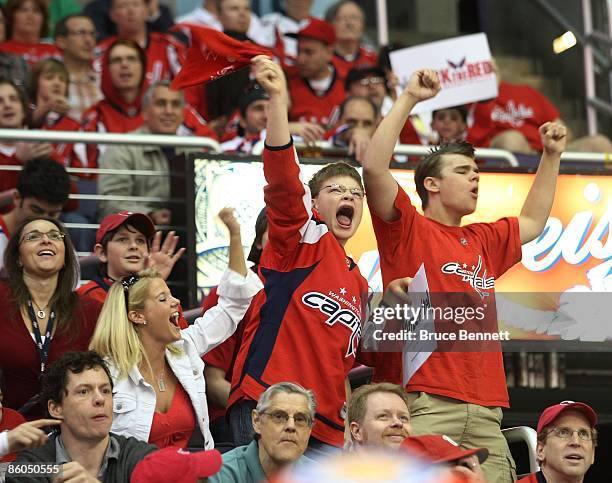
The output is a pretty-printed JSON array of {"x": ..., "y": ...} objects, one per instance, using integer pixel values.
[
  {"x": 282, "y": 422},
  {"x": 567, "y": 438}
]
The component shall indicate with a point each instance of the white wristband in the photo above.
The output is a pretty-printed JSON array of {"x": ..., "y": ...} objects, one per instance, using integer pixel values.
[{"x": 4, "y": 444}]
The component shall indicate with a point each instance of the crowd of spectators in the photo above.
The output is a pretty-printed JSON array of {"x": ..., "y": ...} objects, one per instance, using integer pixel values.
[{"x": 114, "y": 366}]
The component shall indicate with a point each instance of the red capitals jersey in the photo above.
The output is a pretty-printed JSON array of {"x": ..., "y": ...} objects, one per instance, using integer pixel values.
[
  {"x": 31, "y": 53},
  {"x": 366, "y": 57},
  {"x": 307, "y": 105},
  {"x": 164, "y": 56},
  {"x": 305, "y": 324},
  {"x": 458, "y": 260},
  {"x": 517, "y": 107}
]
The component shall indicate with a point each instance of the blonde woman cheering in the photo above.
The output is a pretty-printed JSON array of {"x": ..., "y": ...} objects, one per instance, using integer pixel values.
[{"x": 159, "y": 388}]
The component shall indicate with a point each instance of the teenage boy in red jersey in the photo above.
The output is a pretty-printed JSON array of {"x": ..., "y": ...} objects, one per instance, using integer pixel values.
[
  {"x": 455, "y": 393},
  {"x": 306, "y": 323}
]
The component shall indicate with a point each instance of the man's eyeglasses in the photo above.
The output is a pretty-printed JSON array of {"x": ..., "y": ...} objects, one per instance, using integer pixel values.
[
  {"x": 127, "y": 282},
  {"x": 300, "y": 420},
  {"x": 372, "y": 81},
  {"x": 566, "y": 433},
  {"x": 340, "y": 190},
  {"x": 34, "y": 236}
]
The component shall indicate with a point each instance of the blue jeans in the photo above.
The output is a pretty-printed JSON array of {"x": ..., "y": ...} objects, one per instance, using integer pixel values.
[{"x": 241, "y": 424}]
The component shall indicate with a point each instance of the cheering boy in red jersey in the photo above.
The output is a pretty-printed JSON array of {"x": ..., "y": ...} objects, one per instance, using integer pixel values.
[
  {"x": 459, "y": 394},
  {"x": 306, "y": 322}
]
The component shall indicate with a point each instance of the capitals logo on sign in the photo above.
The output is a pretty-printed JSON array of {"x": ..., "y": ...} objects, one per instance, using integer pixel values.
[{"x": 337, "y": 314}]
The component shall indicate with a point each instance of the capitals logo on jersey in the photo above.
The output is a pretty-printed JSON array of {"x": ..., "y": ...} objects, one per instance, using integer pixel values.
[
  {"x": 331, "y": 305},
  {"x": 472, "y": 276}
]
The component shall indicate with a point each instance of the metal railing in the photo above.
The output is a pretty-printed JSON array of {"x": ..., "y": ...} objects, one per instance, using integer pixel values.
[{"x": 75, "y": 137}]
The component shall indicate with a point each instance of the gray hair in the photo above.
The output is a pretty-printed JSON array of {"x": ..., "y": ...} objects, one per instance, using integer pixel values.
[
  {"x": 265, "y": 399},
  {"x": 147, "y": 99}
]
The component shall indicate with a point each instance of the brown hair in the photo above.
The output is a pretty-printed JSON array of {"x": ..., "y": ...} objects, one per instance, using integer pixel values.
[
  {"x": 431, "y": 165},
  {"x": 64, "y": 301},
  {"x": 13, "y": 5},
  {"x": 51, "y": 66},
  {"x": 23, "y": 98},
  {"x": 357, "y": 404},
  {"x": 331, "y": 170}
]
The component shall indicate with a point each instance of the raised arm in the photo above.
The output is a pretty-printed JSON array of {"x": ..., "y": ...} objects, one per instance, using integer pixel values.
[
  {"x": 236, "y": 289},
  {"x": 270, "y": 75},
  {"x": 287, "y": 197},
  {"x": 236, "y": 251},
  {"x": 538, "y": 203},
  {"x": 379, "y": 184}
]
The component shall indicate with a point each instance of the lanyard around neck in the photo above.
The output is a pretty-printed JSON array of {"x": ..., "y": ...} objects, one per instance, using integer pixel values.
[{"x": 42, "y": 348}]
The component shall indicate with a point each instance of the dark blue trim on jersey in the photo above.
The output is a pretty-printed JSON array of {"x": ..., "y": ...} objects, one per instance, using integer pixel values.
[
  {"x": 280, "y": 148},
  {"x": 279, "y": 288},
  {"x": 329, "y": 422}
]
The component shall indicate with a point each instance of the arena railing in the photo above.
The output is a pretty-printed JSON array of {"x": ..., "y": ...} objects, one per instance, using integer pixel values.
[{"x": 321, "y": 148}]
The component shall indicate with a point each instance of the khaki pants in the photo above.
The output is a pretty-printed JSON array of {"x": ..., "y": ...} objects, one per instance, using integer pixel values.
[{"x": 469, "y": 425}]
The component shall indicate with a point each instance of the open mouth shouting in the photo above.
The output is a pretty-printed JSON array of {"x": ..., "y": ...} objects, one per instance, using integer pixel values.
[
  {"x": 344, "y": 216},
  {"x": 174, "y": 319}
]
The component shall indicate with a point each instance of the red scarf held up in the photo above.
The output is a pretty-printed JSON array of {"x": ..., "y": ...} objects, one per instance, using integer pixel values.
[{"x": 212, "y": 55}]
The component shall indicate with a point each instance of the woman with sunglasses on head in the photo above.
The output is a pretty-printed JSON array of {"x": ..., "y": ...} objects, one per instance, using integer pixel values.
[
  {"x": 41, "y": 316},
  {"x": 159, "y": 388}
]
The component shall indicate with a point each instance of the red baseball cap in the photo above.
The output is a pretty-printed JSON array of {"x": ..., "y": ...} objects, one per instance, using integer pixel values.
[
  {"x": 114, "y": 221},
  {"x": 440, "y": 449},
  {"x": 317, "y": 29},
  {"x": 177, "y": 466},
  {"x": 552, "y": 412}
]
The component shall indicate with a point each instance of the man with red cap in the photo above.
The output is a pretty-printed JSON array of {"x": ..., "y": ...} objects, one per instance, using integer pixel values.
[
  {"x": 566, "y": 443},
  {"x": 316, "y": 89}
]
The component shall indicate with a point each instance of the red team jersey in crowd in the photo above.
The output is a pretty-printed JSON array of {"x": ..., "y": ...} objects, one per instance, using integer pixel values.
[
  {"x": 482, "y": 252},
  {"x": 306, "y": 322},
  {"x": 517, "y": 107},
  {"x": 310, "y": 106},
  {"x": 164, "y": 56},
  {"x": 366, "y": 57},
  {"x": 31, "y": 53}
]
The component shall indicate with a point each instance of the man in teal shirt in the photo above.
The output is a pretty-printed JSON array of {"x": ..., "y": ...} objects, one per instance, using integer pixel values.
[{"x": 282, "y": 422}]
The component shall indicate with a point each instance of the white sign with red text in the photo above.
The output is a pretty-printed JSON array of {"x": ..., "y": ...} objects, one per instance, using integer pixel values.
[{"x": 463, "y": 64}]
